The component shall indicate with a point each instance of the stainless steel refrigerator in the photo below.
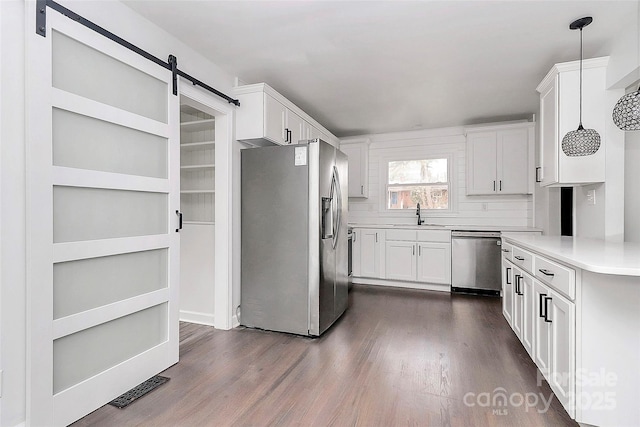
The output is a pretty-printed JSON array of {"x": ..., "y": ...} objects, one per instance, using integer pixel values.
[{"x": 294, "y": 237}]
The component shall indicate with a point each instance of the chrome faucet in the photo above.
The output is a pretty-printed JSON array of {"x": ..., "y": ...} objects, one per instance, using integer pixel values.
[{"x": 420, "y": 221}]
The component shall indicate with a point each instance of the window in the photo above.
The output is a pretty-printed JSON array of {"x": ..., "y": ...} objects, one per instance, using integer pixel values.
[{"x": 410, "y": 182}]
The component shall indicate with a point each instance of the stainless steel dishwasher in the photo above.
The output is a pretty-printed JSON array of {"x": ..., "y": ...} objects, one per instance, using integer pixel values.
[{"x": 475, "y": 260}]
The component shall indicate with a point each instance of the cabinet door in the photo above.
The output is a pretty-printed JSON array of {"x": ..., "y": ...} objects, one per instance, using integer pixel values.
[
  {"x": 434, "y": 263},
  {"x": 481, "y": 163},
  {"x": 562, "y": 316},
  {"x": 507, "y": 291},
  {"x": 542, "y": 329},
  {"x": 356, "y": 253},
  {"x": 369, "y": 253},
  {"x": 306, "y": 130},
  {"x": 517, "y": 301},
  {"x": 274, "y": 120},
  {"x": 513, "y": 161},
  {"x": 357, "y": 168},
  {"x": 294, "y": 125},
  {"x": 528, "y": 313},
  {"x": 400, "y": 260},
  {"x": 549, "y": 135}
]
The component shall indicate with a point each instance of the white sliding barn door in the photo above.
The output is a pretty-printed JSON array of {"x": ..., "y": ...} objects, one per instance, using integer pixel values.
[{"x": 103, "y": 191}]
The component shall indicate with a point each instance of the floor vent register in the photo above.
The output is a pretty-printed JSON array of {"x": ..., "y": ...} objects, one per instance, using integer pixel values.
[{"x": 138, "y": 391}]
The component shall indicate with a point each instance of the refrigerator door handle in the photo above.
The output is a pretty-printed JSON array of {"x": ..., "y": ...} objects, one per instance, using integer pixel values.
[{"x": 335, "y": 185}]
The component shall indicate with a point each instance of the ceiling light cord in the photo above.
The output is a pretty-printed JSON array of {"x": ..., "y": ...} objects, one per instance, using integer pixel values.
[{"x": 581, "y": 56}]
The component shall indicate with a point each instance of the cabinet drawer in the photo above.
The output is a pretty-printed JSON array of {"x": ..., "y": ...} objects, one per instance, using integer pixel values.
[
  {"x": 522, "y": 259},
  {"x": 559, "y": 277},
  {"x": 507, "y": 250},
  {"x": 402, "y": 235},
  {"x": 434, "y": 236}
]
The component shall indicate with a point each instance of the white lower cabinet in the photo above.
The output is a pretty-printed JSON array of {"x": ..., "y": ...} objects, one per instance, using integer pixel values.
[
  {"x": 526, "y": 289},
  {"x": 366, "y": 252},
  {"x": 403, "y": 255},
  {"x": 544, "y": 321},
  {"x": 418, "y": 262},
  {"x": 434, "y": 262},
  {"x": 400, "y": 263},
  {"x": 561, "y": 313},
  {"x": 516, "y": 324},
  {"x": 507, "y": 291}
]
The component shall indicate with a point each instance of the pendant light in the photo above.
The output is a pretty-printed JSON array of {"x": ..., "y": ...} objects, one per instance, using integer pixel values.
[
  {"x": 626, "y": 113},
  {"x": 581, "y": 142}
]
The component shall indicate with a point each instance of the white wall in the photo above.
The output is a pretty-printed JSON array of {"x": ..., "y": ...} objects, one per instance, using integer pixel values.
[
  {"x": 516, "y": 210},
  {"x": 605, "y": 219},
  {"x": 12, "y": 225},
  {"x": 115, "y": 17},
  {"x": 632, "y": 187}
]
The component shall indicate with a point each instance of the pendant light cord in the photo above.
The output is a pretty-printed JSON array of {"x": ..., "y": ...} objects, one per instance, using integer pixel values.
[{"x": 580, "y": 125}]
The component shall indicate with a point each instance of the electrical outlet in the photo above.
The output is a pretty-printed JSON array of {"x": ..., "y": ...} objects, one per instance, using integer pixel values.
[
  {"x": 485, "y": 206},
  {"x": 591, "y": 197}
]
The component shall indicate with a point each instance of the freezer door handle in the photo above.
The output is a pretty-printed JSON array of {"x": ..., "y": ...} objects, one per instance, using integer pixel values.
[{"x": 327, "y": 218}]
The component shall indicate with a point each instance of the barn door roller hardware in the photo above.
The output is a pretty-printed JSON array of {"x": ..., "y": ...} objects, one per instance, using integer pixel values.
[{"x": 171, "y": 64}]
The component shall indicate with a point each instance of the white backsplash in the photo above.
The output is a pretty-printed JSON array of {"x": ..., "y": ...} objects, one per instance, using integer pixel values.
[{"x": 507, "y": 210}]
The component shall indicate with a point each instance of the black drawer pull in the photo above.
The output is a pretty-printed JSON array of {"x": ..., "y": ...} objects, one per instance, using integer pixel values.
[
  {"x": 505, "y": 250},
  {"x": 519, "y": 258},
  {"x": 545, "y": 272}
]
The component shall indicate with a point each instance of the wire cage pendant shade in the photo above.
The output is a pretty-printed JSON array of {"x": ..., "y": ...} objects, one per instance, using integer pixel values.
[
  {"x": 626, "y": 113},
  {"x": 581, "y": 142}
]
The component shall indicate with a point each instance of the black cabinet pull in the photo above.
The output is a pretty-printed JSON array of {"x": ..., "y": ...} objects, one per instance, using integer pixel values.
[
  {"x": 505, "y": 250},
  {"x": 545, "y": 272},
  {"x": 546, "y": 309},
  {"x": 519, "y": 258},
  {"x": 508, "y": 270},
  {"x": 500, "y": 185},
  {"x": 538, "y": 168},
  {"x": 516, "y": 280},
  {"x": 494, "y": 186},
  {"x": 541, "y": 304},
  {"x": 179, "y": 221},
  {"x": 519, "y": 286}
]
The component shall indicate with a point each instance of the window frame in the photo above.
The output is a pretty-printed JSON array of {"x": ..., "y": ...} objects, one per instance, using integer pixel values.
[{"x": 384, "y": 187}]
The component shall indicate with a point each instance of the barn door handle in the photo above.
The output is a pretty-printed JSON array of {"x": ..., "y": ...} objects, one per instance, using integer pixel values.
[{"x": 179, "y": 221}]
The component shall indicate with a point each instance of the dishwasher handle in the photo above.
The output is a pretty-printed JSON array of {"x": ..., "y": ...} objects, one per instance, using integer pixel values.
[{"x": 475, "y": 234}]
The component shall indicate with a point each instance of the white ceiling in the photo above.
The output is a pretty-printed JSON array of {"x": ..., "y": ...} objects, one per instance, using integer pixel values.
[{"x": 362, "y": 67}]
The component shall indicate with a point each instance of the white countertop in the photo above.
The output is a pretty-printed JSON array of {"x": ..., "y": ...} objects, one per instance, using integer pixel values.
[
  {"x": 504, "y": 229},
  {"x": 598, "y": 256}
]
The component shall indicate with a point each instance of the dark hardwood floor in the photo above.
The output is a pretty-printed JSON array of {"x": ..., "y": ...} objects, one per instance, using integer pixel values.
[{"x": 397, "y": 357}]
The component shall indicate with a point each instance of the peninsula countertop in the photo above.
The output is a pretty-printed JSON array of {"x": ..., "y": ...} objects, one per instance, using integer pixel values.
[{"x": 595, "y": 255}]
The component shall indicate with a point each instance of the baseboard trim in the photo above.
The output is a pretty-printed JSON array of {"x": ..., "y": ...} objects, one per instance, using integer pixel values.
[
  {"x": 399, "y": 284},
  {"x": 196, "y": 317}
]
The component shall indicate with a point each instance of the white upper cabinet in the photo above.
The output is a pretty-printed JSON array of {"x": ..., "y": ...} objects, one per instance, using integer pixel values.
[
  {"x": 560, "y": 113},
  {"x": 358, "y": 153},
  {"x": 266, "y": 117},
  {"x": 500, "y": 159}
]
